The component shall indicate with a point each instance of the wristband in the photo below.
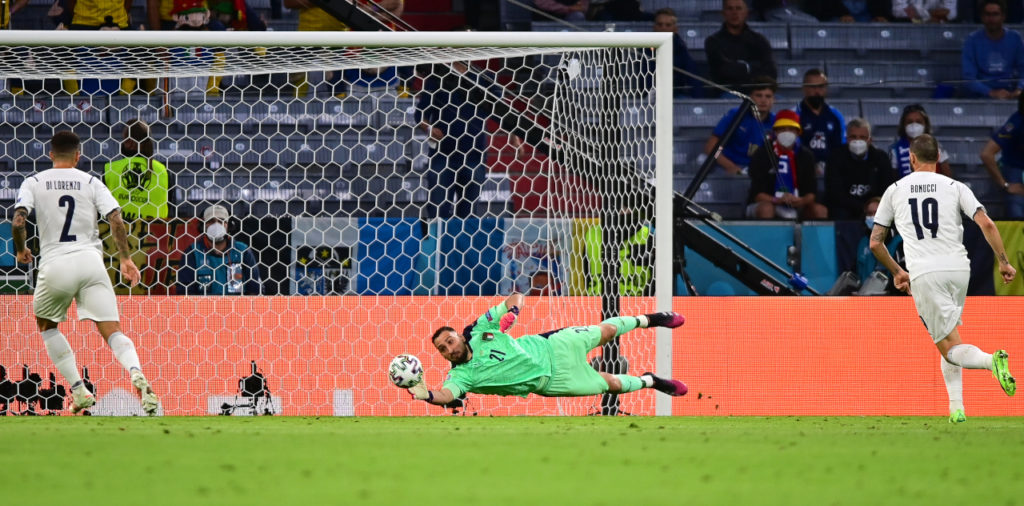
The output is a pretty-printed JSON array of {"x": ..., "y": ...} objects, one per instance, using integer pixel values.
[
  {"x": 514, "y": 310},
  {"x": 430, "y": 396}
]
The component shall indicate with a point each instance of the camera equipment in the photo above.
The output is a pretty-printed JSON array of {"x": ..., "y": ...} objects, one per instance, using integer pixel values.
[{"x": 254, "y": 393}]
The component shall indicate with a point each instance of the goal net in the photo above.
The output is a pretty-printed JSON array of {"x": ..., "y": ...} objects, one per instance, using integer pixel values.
[{"x": 372, "y": 186}]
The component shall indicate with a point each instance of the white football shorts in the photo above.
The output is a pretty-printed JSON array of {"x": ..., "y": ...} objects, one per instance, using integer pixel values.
[
  {"x": 78, "y": 276},
  {"x": 939, "y": 297}
]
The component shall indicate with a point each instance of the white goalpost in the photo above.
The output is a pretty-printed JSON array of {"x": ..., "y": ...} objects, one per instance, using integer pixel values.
[{"x": 376, "y": 186}]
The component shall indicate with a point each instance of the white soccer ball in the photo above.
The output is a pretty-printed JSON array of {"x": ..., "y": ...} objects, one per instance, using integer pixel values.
[{"x": 405, "y": 371}]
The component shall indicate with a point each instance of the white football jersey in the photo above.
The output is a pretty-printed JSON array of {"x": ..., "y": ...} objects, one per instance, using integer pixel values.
[
  {"x": 67, "y": 204},
  {"x": 925, "y": 208}
]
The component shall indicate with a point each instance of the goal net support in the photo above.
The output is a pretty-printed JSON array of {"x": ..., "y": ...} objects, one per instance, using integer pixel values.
[{"x": 374, "y": 187}]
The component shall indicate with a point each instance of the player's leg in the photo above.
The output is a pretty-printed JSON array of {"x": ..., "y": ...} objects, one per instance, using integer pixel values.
[
  {"x": 623, "y": 383},
  {"x": 615, "y": 327},
  {"x": 54, "y": 292},
  {"x": 970, "y": 356},
  {"x": 951, "y": 375}
]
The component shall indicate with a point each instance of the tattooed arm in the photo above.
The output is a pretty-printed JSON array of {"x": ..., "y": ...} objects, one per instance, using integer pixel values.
[
  {"x": 901, "y": 279},
  {"x": 996, "y": 242},
  {"x": 129, "y": 270},
  {"x": 19, "y": 235}
]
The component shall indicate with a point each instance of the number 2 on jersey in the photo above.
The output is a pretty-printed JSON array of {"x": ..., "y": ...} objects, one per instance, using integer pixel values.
[
  {"x": 69, "y": 202},
  {"x": 927, "y": 217}
]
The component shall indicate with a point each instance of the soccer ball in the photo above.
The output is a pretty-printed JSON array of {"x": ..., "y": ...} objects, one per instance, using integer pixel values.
[{"x": 405, "y": 371}]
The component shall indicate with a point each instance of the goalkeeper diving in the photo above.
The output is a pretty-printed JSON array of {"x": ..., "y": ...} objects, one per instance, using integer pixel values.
[{"x": 486, "y": 360}]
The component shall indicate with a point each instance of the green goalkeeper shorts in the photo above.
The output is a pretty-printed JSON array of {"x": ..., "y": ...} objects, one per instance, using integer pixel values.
[{"x": 571, "y": 375}]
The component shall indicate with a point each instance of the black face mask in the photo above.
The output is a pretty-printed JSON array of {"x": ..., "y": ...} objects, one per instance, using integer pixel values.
[{"x": 815, "y": 101}]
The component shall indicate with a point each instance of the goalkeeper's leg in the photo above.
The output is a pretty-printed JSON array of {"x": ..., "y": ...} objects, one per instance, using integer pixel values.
[
  {"x": 621, "y": 384},
  {"x": 615, "y": 327}
]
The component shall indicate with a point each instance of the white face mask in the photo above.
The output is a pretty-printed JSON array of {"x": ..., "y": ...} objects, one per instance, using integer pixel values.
[
  {"x": 786, "y": 139},
  {"x": 216, "y": 232},
  {"x": 914, "y": 130},
  {"x": 870, "y": 222},
  {"x": 858, "y": 147}
]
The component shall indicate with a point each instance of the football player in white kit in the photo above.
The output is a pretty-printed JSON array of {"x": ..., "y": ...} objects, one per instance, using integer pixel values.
[
  {"x": 67, "y": 203},
  {"x": 925, "y": 208}
]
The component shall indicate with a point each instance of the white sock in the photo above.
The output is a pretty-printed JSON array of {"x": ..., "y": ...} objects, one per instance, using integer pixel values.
[
  {"x": 643, "y": 321},
  {"x": 60, "y": 353},
  {"x": 124, "y": 351},
  {"x": 954, "y": 384},
  {"x": 648, "y": 381},
  {"x": 969, "y": 356}
]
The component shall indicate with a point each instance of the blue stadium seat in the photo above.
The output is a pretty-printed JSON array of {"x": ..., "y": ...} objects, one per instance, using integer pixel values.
[
  {"x": 845, "y": 41},
  {"x": 791, "y": 76},
  {"x": 886, "y": 79},
  {"x": 697, "y": 117}
]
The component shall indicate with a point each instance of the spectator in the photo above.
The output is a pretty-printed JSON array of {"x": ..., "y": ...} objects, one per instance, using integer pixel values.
[
  {"x": 1010, "y": 140},
  {"x": 823, "y": 125},
  {"x": 452, "y": 111},
  {"x": 99, "y": 14},
  {"x": 216, "y": 264},
  {"x": 736, "y": 53},
  {"x": 924, "y": 11},
  {"x": 9, "y": 10},
  {"x": 914, "y": 121},
  {"x": 751, "y": 133},
  {"x": 784, "y": 185},
  {"x": 158, "y": 14},
  {"x": 138, "y": 182},
  {"x": 785, "y": 11},
  {"x": 865, "y": 281},
  {"x": 850, "y": 11},
  {"x": 235, "y": 15},
  {"x": 993, "y": 57},
  {"x": 569, "y": 10},
  {"x": 374, "y": 78},
  {"x": 857, "y": 172},
  {"x": 665, "y": 20}
]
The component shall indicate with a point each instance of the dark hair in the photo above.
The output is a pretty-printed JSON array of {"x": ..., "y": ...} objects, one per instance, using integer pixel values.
[
  {"x": 665, "y": 11},
  {"x": 983, "y": 3},
  {"x": 815, "y": 72},
  {"x": 925, "y": 148},
  {"x": 906, "y": 112},
  {"x": 65, "y": 144},
  {"x": 438, "y": 332},
  {"x": 136, "y": 139},
  {"x": 762, "y": 83}
]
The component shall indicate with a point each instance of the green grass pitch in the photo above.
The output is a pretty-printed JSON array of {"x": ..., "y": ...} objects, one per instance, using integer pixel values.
[{"x": 522, "y": 461}]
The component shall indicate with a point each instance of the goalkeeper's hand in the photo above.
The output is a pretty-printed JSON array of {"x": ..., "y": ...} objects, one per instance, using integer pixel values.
[
  {"x": 509, "y": 319},
  {"x": 419, "y": 392}
]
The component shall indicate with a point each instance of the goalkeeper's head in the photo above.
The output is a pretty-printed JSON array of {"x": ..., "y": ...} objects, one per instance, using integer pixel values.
[{"x": 452, "y": 346}]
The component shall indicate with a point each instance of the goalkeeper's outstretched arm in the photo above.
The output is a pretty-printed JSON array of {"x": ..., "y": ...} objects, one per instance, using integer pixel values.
[
  {"x": 515, "y": 300},
  {"x": 439, "y": 397}
]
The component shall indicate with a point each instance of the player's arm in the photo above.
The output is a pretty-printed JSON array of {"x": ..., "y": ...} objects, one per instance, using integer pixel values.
[
  {"x": 128, "y": 268},
  {"x": 437, "y": 397},
  {"x": 19, "y": 235},
  {"x": 513, "y": 304},
  {"x": 988, "y": 227},
  {"x": 901, "y": 279}
]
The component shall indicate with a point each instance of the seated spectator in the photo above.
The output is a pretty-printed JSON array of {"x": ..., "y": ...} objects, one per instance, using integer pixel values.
[
  {"x": 993, "y": 58},
  {"x": 235, "y": 15},
  {"x": 914, "y": 121},
  {"x": 8, "y": 11},
  {"x": 850, "y": 11},
  {"x": 158, "y": 14},
  {"x": 665, "y": 20},
  {"x": 736, "y": 53},
  {"x": 857, "y": 172},
  {"x": 216, "y": 264},
  {"x": 871, "y": 277},
  {"x": 1008, "y": 172},
  {"x": 139, "y": 183},
  {"x": 785, "y": 11},
  {"x": 98, "y": 15},
  {"x": 782, "y": 180},
  {"x": 735, "y": 156},
  {"x": 823, "y": 125},
  {"x": 924, "y": 11},
  {"x": 569, "y": 10}
]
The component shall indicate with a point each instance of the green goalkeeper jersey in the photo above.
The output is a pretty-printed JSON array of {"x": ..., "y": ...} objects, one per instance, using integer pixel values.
[{"x": 500, "y": 365}]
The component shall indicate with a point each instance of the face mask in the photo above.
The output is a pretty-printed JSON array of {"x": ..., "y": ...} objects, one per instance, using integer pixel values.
[
  {"x": 786, "y": 139},
  {"x": 914, "y": 130},
  {"x": 870, "y": 222},
  {"x": 815, "y": 101},
  {"x": 859, "y": 147},
  {"x": 216, "y": 232}
]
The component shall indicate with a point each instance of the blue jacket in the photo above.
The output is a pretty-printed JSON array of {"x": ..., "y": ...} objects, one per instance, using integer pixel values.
[
  {"x": 993, "y": 64},
  {"x": 203, "y": 272}
]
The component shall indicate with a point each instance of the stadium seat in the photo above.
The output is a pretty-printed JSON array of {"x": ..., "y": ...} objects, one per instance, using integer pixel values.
[
  {"x": 791, "y": 76},
  {"x": 832, "y": 41},
  {"x": 884, "y": 79},
  {"x": 696, "y": 118},
  {"x": 964, "y": 155},
  {"x": 949, "y": 118},
  {"x": 10, "y": 182}
]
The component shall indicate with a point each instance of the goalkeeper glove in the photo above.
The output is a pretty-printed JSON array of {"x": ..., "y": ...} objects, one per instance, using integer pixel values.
[
  {"x": 419, "y": 392},
  {"x": 509, "y": 319}
]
